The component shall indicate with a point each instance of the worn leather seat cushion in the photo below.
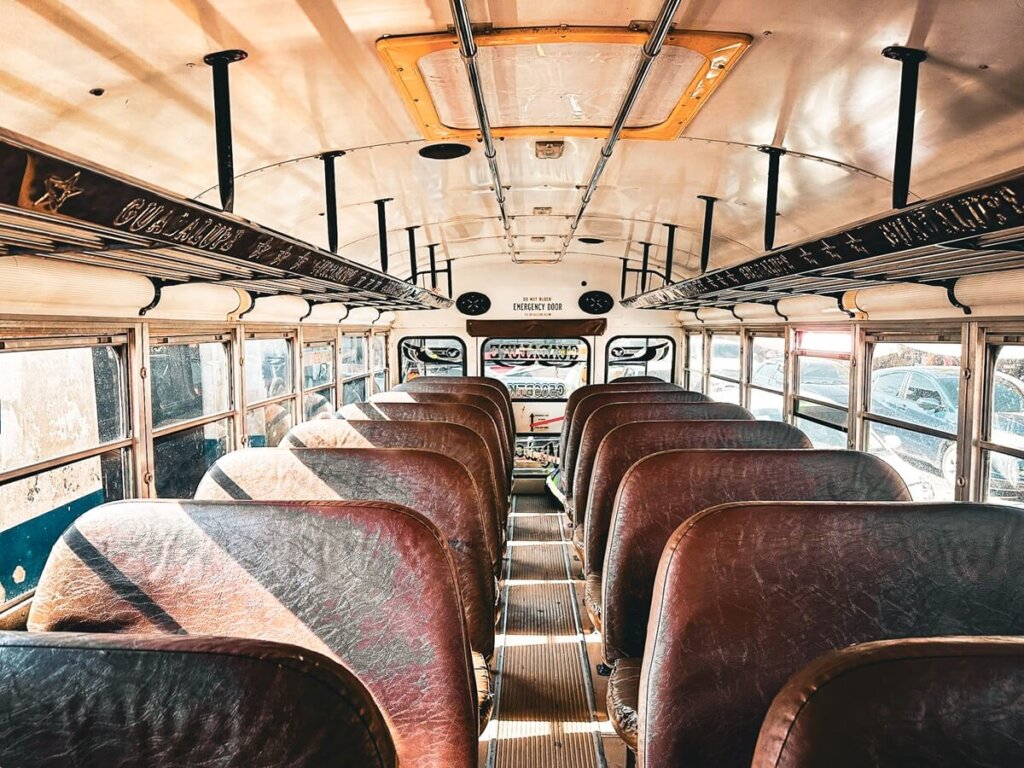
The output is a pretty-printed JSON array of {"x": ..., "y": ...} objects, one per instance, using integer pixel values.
[
  {"x": 434, "y": 485},
  {"x": 484, "y": 688},
  {"x": 69, "y": 699},
  {"x": 946, "y": 702},
  {"x": 368, "y": 584},
  {"x": 624, "y": 699},
  {"x": 592, "y": 597},
  {"x": 492, "y": 390}
]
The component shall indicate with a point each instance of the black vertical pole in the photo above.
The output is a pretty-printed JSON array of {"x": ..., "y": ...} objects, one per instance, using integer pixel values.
[
  {"x": 382, "y": 231},
  {"x": 448, "y": 265},
  {"x": 622, "y": 290},
  {"x": 643, "y": 267},
  {"x": 433, "y": 265},
  {"x": 331, "y": 199},
  {"x": 414, "y": 268},
  {"x": 772, "y": 203},
  {"x": 911, "y": 59},
  {"x": 222, "y": 118},
  {"x": 670, "y": 248},
  {"x": 709, "y": 216}
]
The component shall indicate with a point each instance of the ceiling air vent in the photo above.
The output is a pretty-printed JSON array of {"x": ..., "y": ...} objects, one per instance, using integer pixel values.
[
  {"x": 473, "y": 303},
  {"x": 596, "y": 302}
]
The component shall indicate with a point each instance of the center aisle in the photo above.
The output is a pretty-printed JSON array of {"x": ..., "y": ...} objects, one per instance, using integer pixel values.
[{"x": 544, "y": 716}]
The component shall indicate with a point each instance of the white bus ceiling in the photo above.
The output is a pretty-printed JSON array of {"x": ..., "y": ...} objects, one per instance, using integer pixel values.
[{"x": 813, "y": 81}]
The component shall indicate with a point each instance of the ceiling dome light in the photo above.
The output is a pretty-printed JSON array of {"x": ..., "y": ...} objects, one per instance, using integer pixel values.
[{"x": 447, "y": 151}]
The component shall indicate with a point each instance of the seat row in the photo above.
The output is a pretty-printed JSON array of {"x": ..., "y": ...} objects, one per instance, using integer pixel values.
[
  {"x": 724, "y": 557},
  {"x": 359, "y": 559}
]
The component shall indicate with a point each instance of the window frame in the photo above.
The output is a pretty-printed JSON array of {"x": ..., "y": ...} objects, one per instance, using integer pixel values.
[
  {"x": 659, "y": 337},
  {"x": 688, "y": 373},
  {"x": 741, "y": 354},
  {"x": 748, "y": 387},
  {"x": 794, "y": 396},
  {"x": 291, "y": 335},
  {"x": 331, "y": 385}
]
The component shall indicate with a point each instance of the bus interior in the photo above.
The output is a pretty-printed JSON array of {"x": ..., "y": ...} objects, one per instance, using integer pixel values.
[{"x": 508, "y": 384}]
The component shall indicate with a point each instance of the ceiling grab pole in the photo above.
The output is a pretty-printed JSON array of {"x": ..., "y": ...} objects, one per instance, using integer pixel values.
[
  {"x": 771, "y": 206},
  {"x": 650, "y": 51},
  {"x": 382, "y": 231},
  {"x": 219, "y": 62},
  {"x": 911, "y": 59},
  {"x": 670, "y": 249},
  {"x": 468, "y": 50},
  {"x": 414, "y": 267},
  {"x": 705, "y": 243},
  {"x": 331, "y": 199}
]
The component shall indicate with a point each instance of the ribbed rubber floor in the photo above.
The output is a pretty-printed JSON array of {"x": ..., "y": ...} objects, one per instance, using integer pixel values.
[{"x": 545, "y": 709}]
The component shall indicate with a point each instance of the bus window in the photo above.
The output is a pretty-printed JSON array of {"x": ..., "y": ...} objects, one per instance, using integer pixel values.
[
  {"x": 724, "y": 369},
  {"x": 431, "y": 356},
  {"x": 190, "y": 383},
  {"x": 640, "y": 356},
  {"x": 537, "y": 369},
  {"x": 822, "y": 394},
  {"x": 269, "y": 380},
  {"x": 64, "y": 448},
  {"x": 354, "y": 368},
  {"x": 379, "y": 361},
  {"x": 912, "y": 411},
  {"x": 695, "y": 362},
  {"x": 318, "y": 381},
  {"x": 767, "y": 377},
  {"x": 1003, "y": 448}
]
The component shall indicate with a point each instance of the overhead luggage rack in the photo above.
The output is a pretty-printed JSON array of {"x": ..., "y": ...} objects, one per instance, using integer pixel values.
[
  {"x": 63, "y": 208},
  {"x": 970, "y": 231}
]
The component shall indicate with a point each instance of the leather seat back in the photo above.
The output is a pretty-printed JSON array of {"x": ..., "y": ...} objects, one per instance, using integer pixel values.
[
  {"x": 488, "y": 388},
  {"x": 434, "y": 485},
  {"x": 749, "y": 594},
  {"x": 659, "y": 493},
  {"x": 485, "y": 404},
  {"x": 621, "y": 385},
  {"x": 368, "y": 584},
  {"x": 628, "y": 443},
  {"x": 454, "y": 413},
  {"x": 591, "y": 403},
  {"x": 176, "y": 702},
  {"x": 955, "y": 701},
  {"x": 608, "y": 417},
  {"x": 452, "y": 440}
]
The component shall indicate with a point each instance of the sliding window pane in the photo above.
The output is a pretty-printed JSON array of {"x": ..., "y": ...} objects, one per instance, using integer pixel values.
[
  {"x": 59, "y": 401},
  {"x": 824, "y": 379},
  {"x": 831, "y": 416},
  {"x": 318, "y": 405},
  {"x": 927, "y": 464},
  {"x": 353, "y": 391},
  {"x": 695, "y": 352},
  {"x": 917, "y": 383},
  {"x": 318, "y": 365},
  {"x": 268, "y": 369},
  {"x": 36, "y": 510},
  {"x": 767, "y": 406},
  {"x": 724, "y": 391},
  {"x": 725, "y": 356},
  {"x": 1004, "y": 478},
  {"x": 768, "y": 362},
  {"x": 821, "y": 436},
  {"x": 189, "y": 381},
  {"x": 354, "y": 359},
  {"x": 380, "y": 355},
  {"x": 267, "y": 425},
  {"x": 1006, "y": 409},
  {"x": 182, "y": 458}
]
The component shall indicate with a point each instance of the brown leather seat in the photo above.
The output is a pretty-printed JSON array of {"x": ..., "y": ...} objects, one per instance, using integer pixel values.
[
  {"x": 368, "y": 584},
  {"x": 434, "y": 485},
  {"x": 954, "y": 702},
  {"x": 634, "y": 384},
  {"x": 626, "y": 444},
  {"x": 489, "y": 388},
  {"x": 486, "y": 404},
  {"x": 659, "y": 493},
  {"x": 608, "y": 417},
  {"x": 72, "y": 699},
  {"x": 592, "y": 402},
  {"x": 749, "y": 594},
  {"x": 453, "y": 413},
  {"x": 452, "y": 440}
]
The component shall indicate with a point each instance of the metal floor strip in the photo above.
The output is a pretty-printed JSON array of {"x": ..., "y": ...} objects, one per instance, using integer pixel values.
[{"x": 544, "y": 715}]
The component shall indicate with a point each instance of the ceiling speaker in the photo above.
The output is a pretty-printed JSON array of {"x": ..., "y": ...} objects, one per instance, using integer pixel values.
[
  {"x": 596, "y": 302},
  {"x": 473, "y": 303}
]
